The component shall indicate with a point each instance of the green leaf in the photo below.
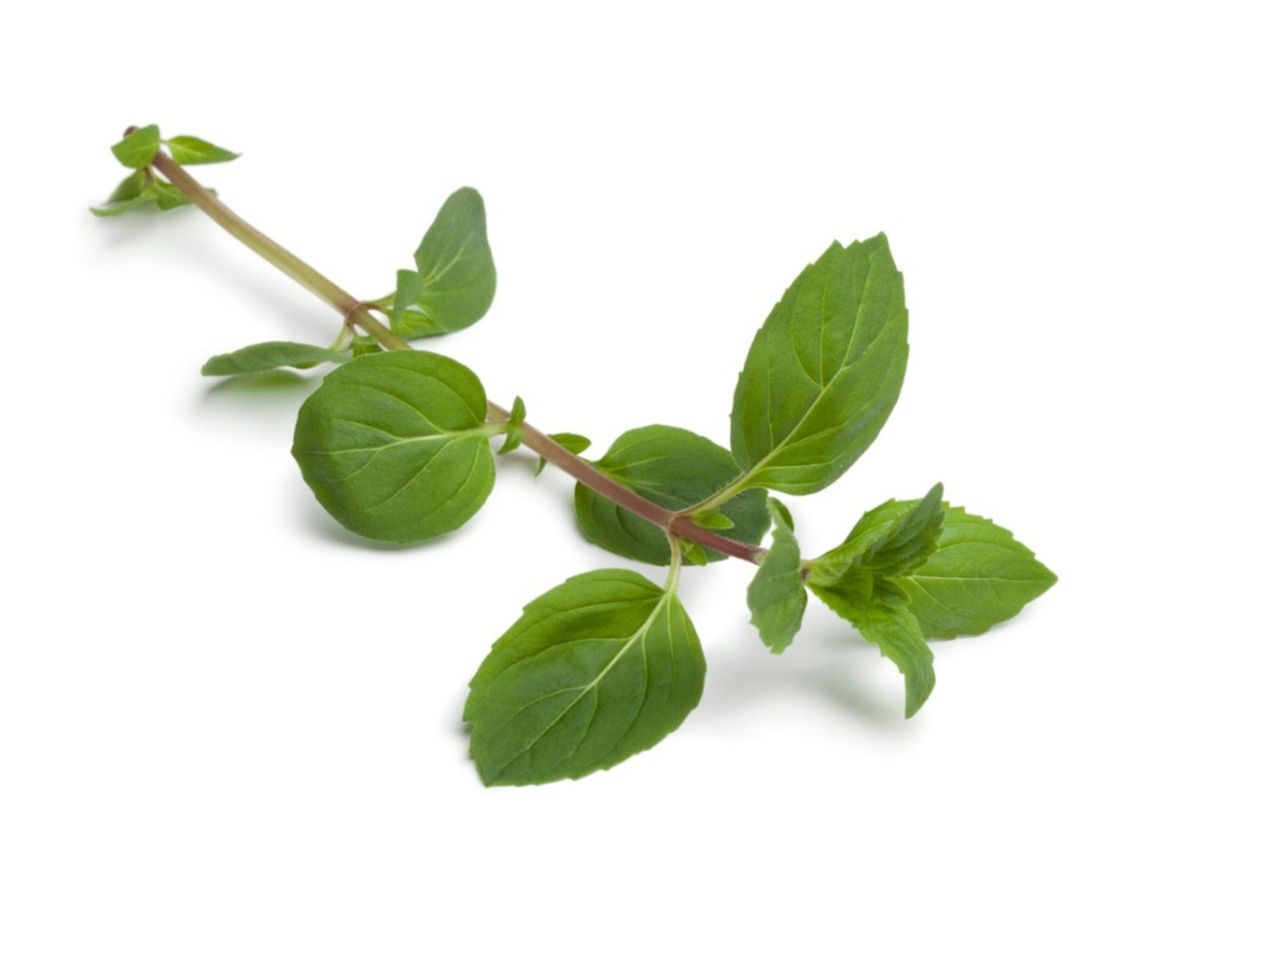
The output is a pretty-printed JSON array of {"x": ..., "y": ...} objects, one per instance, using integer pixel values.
[
  {"x": 891, "y": 540},
  {"x": 674, "y": 468},
  {"x": 131, "y": 193},
  {"x": 514, "y": 433},
  {"x": 130, "y": 188},
  {"x": 139, "y": 148},
  {"x": 168, "y": 196},
  {"x": 261, "y": 357},
  {"x": 596, "y": 670},
  {"x": 895, "y": 631},
  {"x": 360, "y": 345},
  {"x": 978, "y": 576},
  {"x": 776, "y": 594},
  {"x": 694, "y": 553},
  {"x": 395, "y": 445},
  {"x": 824, "y": 371},
  {"x": 712, "y": 520},
  {"x": 575, "y": 443},
  {"x": 188, "y": 150},
  {"x": 455, "y": 280}
]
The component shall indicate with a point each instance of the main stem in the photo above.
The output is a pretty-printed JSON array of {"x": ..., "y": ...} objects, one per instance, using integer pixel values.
[{"x": 356, "y": 313}]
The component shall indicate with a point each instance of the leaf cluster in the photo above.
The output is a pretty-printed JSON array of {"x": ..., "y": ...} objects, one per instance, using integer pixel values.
[
  {"x": 401, "y": 447},
  {"x": 144, "y": 188}
]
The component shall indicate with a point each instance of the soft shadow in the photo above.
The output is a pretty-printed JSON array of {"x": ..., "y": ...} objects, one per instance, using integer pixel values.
[
  {"x": 262, "y": 400},
  {"x": 833, "y": 667},
  {"x": 187, "y": 236},
  {"x": 320, "y": 525}
]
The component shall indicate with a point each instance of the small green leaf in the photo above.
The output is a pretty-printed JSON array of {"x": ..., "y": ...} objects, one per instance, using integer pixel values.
[
  {"x": 674, "y": 468},
  {"x": 131, "y": 193},
  {"x": 575, "y": 443},
  {"x": 694, "y": 553},
  {"x": 168, "y": 196},
  {"x": 776, "y": 594},
  {"x": 890, "y": 540},
  {"x": 409, "y": 289},
  {"x": 824, "y": 371},
  {"x": 131, "y": 187},
  {"x": 361, "y": 345},
  {"x": 712, "y": 520},
  {"x": 190, "y": 150},
  {"x": 514, "y": 433},
  {"x": 456, "y": 278},
  {"x": 895, "y": 631},
  {"x": 395, "y": 445},
  {"x": 596, "y": 670},
  {"x": 261, "y": 357},
  {"x": 977, "y": 577},
  {"x": 139, "y": 148}
]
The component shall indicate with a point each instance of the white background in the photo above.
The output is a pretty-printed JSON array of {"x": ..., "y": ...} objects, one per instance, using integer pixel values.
[{"x": 228, "y": 729}]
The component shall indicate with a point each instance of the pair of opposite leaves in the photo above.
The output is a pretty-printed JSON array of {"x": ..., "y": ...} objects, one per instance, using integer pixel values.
[{"x": 396, "y": 446}]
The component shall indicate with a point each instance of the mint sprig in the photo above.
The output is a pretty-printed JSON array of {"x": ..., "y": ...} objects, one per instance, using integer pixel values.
[{"x": 401, "y": 446}]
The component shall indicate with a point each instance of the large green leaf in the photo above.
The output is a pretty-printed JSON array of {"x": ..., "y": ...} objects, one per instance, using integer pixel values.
[
  {"x": 776, "y": 594},
  {"x": 824, "y": 371},
  {"x": 892, "y": 539},
  {"x": 395, "y": 445},
  {"x": 895, "y": 631},
  {"x": 597, "y": 669},
  {"x": 455, "y": 280},
  {"x": 978, "y": 576},
  {"x": 261, "y": 357},
  {"x": 677, "y": 469}
]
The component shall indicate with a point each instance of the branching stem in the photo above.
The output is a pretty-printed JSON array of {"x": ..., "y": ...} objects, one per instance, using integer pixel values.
[{"x": 355, "y": 312}]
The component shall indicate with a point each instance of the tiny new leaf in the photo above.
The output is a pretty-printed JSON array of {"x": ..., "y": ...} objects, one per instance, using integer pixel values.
[
  {"x": 188, "y": 150},
  {"x": 455, "y": 280},
  {"x": 395, "y": 445},
  {"x": 138, "y": 148},
  {"x": 676, "y": 469},
  {"x": 776, "y": 594},
  {"x": 261, "y": 357},
  {"x": 824, "y": 371},
  {"x": 977, "y": 576},
  {"x": 597, "y": 669}
]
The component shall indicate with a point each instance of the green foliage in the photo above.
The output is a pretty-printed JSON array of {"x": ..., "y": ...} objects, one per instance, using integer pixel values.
[
  {"x": 455, "y": 280},
  {"x": 977, "y": 577},
  {"x": 129, "y": 194},
  {"x": 676, "y": 469},
  {"x": 360, "y": 345},
  {"x": 396, "y": 447},
  {"x": 138, "y": 148},
  {"x": 776, "y": 594},
  {"x": 261, "y": 357},
  {"x": 514, "y": 433},
  {"x": 823, "y": 372},
  {"x": 597, "y": 669},
  {"x": 191, "y": 150},
  {"x": 893, "y": 539}
]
